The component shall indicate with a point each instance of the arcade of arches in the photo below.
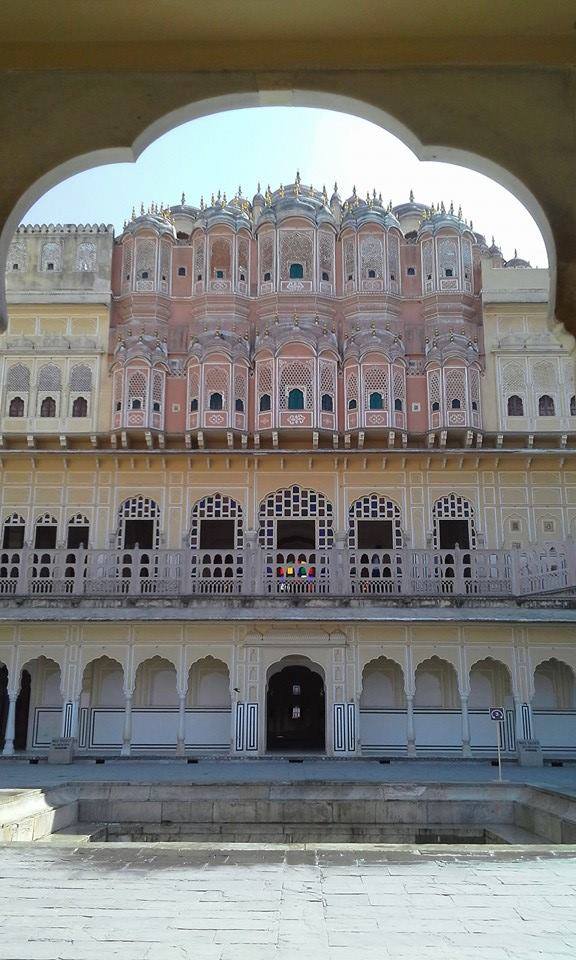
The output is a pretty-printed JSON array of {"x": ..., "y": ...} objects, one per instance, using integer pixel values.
[{"x": 347, "y": 699}]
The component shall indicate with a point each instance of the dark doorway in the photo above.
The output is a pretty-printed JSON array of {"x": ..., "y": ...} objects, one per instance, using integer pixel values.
[
  {"x": 77, "y": 537},
  {"x": 3, "y": 703},
  {"x": 45, "y": 538},
  {"x": 13, "y": 538},
  {"x": 217, "y": 534},
  {"x": 296, "y": 715},
  {"x": 375, "y": 535},
  {"x": 139, "y": 532},
  {"x": 452, "y": 532},
  {"x": 22, "y": 713},
  {"x": 295, "y": 534}
]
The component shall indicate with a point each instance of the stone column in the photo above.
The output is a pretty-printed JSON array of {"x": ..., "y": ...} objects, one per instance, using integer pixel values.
[
  {"x": 8, "y": 750},
  {"x": 70, "y": 715},
  {"x": 127, "y": 732},
  {"x": 181, "y": 739},
  {"x": 410, "y": 732},
  {"x": 466, "y": 750}
]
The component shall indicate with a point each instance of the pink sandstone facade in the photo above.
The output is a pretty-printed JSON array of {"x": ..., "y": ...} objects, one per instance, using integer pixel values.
[{"x": 298, "y": 318}]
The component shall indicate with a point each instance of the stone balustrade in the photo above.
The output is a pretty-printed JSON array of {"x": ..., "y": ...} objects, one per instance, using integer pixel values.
[{"x": 337, "y": 572}]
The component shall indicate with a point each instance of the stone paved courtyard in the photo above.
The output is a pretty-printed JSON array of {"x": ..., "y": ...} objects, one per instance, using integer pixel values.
[
  {"x": 172, "y": 901},
  {"x": 166, "y": 903}
]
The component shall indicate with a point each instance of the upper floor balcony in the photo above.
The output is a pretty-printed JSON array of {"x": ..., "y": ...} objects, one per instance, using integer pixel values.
[{"x": 341, "y": 573}]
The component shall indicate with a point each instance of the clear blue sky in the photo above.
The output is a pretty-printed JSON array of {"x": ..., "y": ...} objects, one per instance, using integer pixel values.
[{"x": 269, "y": 144}]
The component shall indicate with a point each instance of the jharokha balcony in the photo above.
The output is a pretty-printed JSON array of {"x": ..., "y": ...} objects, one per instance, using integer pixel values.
[{"x": 284, "y": 576}]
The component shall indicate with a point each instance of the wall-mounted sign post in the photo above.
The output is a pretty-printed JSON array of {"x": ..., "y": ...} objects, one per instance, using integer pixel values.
[{"x": 497, "y": 714}]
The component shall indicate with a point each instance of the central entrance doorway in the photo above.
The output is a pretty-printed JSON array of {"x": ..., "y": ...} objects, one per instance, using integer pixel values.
[{"x": 295, "y": 710}]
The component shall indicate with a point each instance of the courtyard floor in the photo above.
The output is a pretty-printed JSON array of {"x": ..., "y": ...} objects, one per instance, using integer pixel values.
[
  {"x": 19, "y": 773},
  {"x": 178, "y": 901},
  {"x": 167, "y": 902}
]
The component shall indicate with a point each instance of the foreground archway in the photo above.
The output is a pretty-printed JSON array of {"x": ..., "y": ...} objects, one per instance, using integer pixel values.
[{"x": 295, "y": 710}]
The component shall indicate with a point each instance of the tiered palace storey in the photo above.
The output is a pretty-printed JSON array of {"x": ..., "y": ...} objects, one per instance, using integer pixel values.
[{"x": 288, "y": 474}]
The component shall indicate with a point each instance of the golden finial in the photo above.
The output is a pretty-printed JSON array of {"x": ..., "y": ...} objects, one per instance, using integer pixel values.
[
  {"x": 354, "y": 191},
  {"x": 297, "y": 176},
  {"x": 411, "y": 196},
  {"x": 212, "y": 200},
  {"x": 460, "y": 212},
  {"x": 296, "y": 321},
  {"x": 202, "y": 203},
  {"x": 389, "y": 206},
  {"x": 258, "y": 187},
  {"x": 471, "y": 225},
  {"x": 224, "y": 200},
  {"x": 183, "y": 199},
  {"x": 380, "y": 199},
  {"x": 282, "y": 194},
  {"x": 442, "y": 207},
  {"x": 133, "y": 213},
  {"x": 142, "y": 211},
  {"x": 324, "y": 194},
  {"x": 239, "y": 191},
  {"x": 452, "y": 208}
]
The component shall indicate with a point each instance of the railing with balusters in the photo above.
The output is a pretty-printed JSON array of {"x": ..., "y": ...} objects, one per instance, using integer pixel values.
[{"x": 36, "y": 572}]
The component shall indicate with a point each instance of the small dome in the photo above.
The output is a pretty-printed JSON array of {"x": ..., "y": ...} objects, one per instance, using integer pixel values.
[{"x": 516, "y": 261}]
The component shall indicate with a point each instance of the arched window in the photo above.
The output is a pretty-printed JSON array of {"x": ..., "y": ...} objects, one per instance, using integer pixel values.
[
  {"x": 78, "y": 532},
  {"x": 49, "y": 377},
  {"x": 267, "y": 276},
  {"x": 352, "y": 404},
  {"x": 398, "y": 404},
  {"x": 325, "y": 276},
  {"x": 81, "y": 378},
  {"x": 136, "y": 404},
  {"x": 296, "y": 399},
  {"x": 376, "y": 401},
  {"x": 264, "y": 403},
  {"x": 139, "y": 523},
  {"x": 16, "y": 408},
  {"x": 456, "y": 404},
  {"x": 371, "y": 274},
  {"x": 48, "y": 407},
  {"x": 18, "y": 378},
  {"x": 239, "y": 405},
  {"x": 435, "y": 407},
  {"x": 327, "y": 403},
  {"x": 194, "y": 405},
  {"x": 45, "y": 532},
  {"x": 80, "y": 407},
  {"x": 216, "y": 401},
  {"x": 573, "y": 406},
  {"x": 515, "y": 406},
  {"x": 453, "y": 518},
  {"x": 13, "y": 535},
  {"x": 546, "y": 406},
  {"x": 296, "y": 271}
]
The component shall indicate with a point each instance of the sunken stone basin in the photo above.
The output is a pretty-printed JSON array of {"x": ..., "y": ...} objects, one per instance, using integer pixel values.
[{"x": 290, "y": 813}]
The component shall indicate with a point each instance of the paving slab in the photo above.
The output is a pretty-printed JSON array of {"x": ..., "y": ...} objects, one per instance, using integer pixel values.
[{"x": 103, "y": 901}]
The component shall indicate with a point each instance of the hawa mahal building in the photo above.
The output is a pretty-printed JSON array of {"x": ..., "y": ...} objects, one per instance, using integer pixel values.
[{"x": 285, "y": 474}]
